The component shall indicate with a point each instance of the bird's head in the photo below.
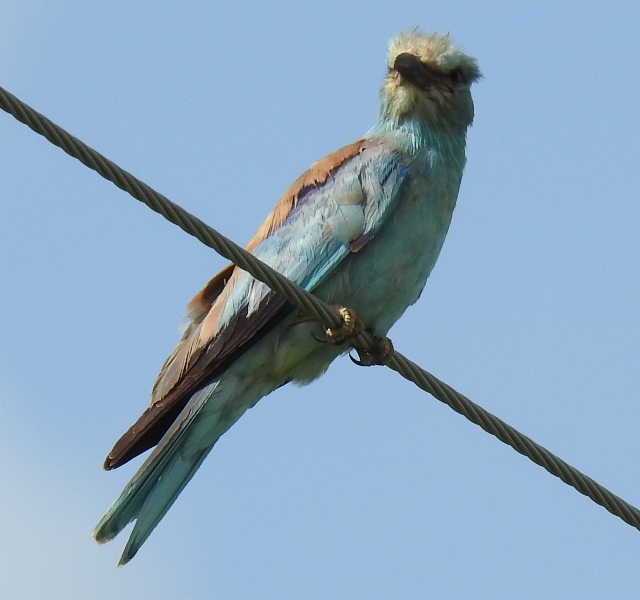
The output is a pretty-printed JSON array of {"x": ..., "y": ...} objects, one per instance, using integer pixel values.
[{"x": 429, "y": 79}]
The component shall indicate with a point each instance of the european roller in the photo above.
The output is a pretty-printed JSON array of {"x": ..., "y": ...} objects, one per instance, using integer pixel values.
[{"x": 362, "y": 228}]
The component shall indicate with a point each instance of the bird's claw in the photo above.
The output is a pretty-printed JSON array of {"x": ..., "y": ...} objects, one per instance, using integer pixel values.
[
  {"x": 351, "y": 327},
  {"x": 381, "y": 354}
]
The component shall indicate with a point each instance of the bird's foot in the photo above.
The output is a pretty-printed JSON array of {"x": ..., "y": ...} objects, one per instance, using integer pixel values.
[
  {"x": 351, "y": 327},
  {"x": 381, "y": 354}
]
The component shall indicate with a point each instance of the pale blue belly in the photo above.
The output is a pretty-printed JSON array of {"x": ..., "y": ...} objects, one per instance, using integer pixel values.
[
  {"x": 379, "y": 282},
  {"x": 388, "y": 274}
]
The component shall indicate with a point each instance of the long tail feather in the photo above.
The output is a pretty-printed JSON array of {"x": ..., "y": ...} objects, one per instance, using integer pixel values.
[
  {"x": 159, "y": 501},
  {"x": 159, "y": 481}
]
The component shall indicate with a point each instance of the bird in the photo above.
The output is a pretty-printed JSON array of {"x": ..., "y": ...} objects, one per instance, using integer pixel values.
[{"x": 361, "y": 229}]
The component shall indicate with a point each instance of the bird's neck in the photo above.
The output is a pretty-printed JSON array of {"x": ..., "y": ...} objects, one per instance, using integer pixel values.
[{"x": 415, "y": 135}]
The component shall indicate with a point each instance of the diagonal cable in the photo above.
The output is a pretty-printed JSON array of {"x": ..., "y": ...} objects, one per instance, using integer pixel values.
[{"x": 313, "y": 306}]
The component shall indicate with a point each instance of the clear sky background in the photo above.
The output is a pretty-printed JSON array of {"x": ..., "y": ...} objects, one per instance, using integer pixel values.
[{"x": 359, "y": 486}]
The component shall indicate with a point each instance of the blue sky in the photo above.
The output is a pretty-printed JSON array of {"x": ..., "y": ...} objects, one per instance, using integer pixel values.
[{"x": 359, "y": 486}]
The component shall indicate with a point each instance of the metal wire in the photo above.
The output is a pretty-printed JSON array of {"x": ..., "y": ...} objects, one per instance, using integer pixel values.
[{"x": 316, "y": 308}]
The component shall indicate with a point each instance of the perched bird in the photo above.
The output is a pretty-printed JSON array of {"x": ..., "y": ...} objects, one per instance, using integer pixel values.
[{"x": 362, "y": 228}]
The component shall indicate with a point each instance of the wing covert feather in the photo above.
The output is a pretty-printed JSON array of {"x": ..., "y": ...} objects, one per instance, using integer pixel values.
[{"x": 336, "y": 207}]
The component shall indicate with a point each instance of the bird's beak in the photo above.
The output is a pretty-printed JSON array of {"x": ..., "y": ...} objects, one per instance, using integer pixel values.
[{"x": 414, "y": 70}]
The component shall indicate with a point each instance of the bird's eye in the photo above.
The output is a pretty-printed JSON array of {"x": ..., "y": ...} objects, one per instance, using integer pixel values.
[{"x": 456, "y": 76}]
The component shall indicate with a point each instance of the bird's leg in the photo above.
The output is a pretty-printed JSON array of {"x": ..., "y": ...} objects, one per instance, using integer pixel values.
[{"x": 381, "y": 354}]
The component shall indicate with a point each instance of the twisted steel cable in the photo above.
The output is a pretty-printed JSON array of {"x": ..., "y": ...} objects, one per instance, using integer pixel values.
[{"x": 314, "y": 307}]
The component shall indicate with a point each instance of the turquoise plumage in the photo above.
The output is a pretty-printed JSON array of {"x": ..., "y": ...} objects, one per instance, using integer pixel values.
[{"x": 362, "y": 228}]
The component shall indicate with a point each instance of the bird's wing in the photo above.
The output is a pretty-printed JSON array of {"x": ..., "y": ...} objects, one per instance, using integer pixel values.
[{"x": 333, "y": 209}]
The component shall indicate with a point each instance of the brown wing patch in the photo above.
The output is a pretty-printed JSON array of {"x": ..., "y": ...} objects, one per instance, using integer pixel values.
[
  {"x": 199, "y": 356},
  {"x": 204, "y": 299},
  {"x": 317, "y": 174}
]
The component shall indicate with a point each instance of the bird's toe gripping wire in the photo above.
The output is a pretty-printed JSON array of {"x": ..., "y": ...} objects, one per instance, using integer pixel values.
[
  {"x": 351, "y": 327},
  {"x": 381, "y": 354}
]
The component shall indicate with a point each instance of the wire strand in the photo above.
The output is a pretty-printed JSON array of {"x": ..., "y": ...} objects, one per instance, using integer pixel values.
[{"x": 314, "y": 307}]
